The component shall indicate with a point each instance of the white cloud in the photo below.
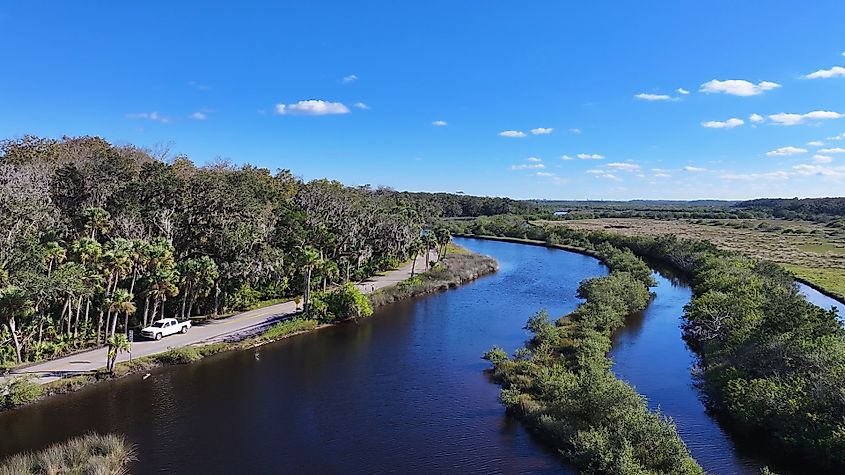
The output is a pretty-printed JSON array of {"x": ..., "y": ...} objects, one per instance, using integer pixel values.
[
  {"x": 575, "y": 130},
  {"x": 590, "y": 156},
  {"x": 361, "y": 105},
  {"x": 662, "y": 175},
  {"x": 834, "y": 72},
  {"x": 682, "y": 91},
  {"x": 832, "y": 150},
  {"x": 816, "y": 143},
  {"x": 512, "y": 133},
  {"x": 809, "y": 170},
  {"x": 153, "y": 116},
  {"x": 756, "y": 118},
  {"x": 652, "y": 97},
  {"x": 534, "y": 159},
  {"x": 440, "y": 123},
  {"x": 692, "y": 169},
  {"x": 786, "y": 151},
  {"x": 837, "y": 137},
  {"x": 542, "y": 131},
  {"x": 609, "y": 176},
  {"x": 349, "y": 79},
  {"x": 567, "y": 157},
  {"x": 794, "y": 119},
  {"x": 628, "y": 167},
  {"x": 728, "y": 124},
  {"x": 312, "y": 107},
  {"x": 527, "y": 166},
  {"x": 738, "y": 87},
  {"x": 199, "y": 115},
  {"x": 818, "y": 158},
  {"x": 776, "y": 175},
  {"x": 546, "y": 174}
]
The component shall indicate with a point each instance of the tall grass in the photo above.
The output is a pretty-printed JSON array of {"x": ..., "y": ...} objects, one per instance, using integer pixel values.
[{"x": 90, "y": 454}]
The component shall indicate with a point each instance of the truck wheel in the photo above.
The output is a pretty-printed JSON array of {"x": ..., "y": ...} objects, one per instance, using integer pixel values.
[
  {"x": 185, "y": 329},
  {"x": 158, "y": 336}
]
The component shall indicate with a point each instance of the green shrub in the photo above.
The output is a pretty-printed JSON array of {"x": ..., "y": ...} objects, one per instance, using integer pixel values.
[
  {"x": 20, "y": 391},
  {"x": 343, "y": 303},
  {"x": 90, "y": 454},
  {"x": 288, "y": 327}
]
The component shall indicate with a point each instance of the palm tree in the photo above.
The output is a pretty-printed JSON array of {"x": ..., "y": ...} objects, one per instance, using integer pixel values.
[
  {"x": 97, "y": 220},
  {"x": 309, "y": 259},
  {"x": 417, "y": 247},
  {"x": 54, "y": 254},
  {"x": 14, "y": 305},
  {"x": 443, "y": 238},
  {"x": 121, "y": 302},
  {"x": 430, "y": 242},
  {"x": 117, "y": 344}
]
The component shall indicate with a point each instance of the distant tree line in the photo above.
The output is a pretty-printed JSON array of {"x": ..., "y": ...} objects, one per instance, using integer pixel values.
[
  {"x": 814, "y": 209},
  {"x": 98, "y": 238}
]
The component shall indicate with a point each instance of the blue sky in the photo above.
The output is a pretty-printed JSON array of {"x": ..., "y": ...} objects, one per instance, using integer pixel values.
[{"x": 354, "y": 91}]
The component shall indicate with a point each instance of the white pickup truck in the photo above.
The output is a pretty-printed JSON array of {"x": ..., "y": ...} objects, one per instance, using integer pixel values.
[{"x": 164, "y": 327}]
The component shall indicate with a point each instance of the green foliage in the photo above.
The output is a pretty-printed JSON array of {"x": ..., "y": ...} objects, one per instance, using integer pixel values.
[
  {"x": 288, "y": 327},
  {"x": 495, "y": 355},
  {"x": 16, "y": 392},
  {"x": 181, "y": 355},
  {"x": 343, "y": 303}
]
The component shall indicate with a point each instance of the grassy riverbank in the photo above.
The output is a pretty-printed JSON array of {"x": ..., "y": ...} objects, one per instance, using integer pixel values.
[
  {"x": 90, "y": 454},
  {"x": 454, "y": 269},
  {"x": 560, "y": 383}
]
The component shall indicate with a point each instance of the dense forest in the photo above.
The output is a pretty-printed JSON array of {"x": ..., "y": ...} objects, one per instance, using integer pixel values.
[
  {"x": 99, "y": 238},
  {"x": 806, "y": 208},
  {"x": 772, "y": 364}
]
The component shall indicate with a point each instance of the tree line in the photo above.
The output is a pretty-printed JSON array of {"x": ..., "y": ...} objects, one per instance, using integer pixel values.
[{"x": 99, "y": 238}]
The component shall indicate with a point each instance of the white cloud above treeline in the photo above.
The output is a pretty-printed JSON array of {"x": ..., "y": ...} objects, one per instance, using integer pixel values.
[
  {"x": 542, "y": 131},
  {"x": 786, "y": 151},
  {"x": 440, "y": 123},
  {"x": 512, "y": 133},
  {"x": 834, "y": 72},
  {"x": 795, "y": 119},
  {"x": 644, "y": 96}
]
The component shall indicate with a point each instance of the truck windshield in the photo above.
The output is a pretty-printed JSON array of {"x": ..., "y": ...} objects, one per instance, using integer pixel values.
[{"x": 158, "y": 324}]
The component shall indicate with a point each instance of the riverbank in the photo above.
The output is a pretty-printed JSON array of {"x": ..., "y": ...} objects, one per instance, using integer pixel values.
[
  {"x": 100, "y": 454},
  {"x": 458, "y": 267}
]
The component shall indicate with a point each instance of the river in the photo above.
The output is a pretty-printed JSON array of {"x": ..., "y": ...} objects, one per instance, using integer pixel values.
[{"x": 403, "y": 391}]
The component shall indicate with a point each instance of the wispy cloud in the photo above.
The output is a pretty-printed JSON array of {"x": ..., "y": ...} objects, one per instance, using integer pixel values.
[
  {"x": 440, "y": 123},
  {"x": 566, "y": 157},
  {"x": 834, "y": 72},
  {"x": 816, "y": 143},
  {"x": 776, "y": 175},
  {"x": 361, "y": 105},
  {"x": 349, "y": 79},
  {"x": 528, "y": 166},
  {"x": 199, "y": 115},
  {"x": 590, "y": 156},
  {"x": 832, "y": 150},
  {"x": 153, "y": 116},
  {"x": 623, "y": 166},
  {"x": 643, "y": 96},
  {"x": 818, "y": 158},
  {"x": 199, "y": 86},
  {"x": 545, "y": 174},
  {"x": 756, "y": 118},
  {"x": 312, "y": 107},
  {"x": 795, "y": 119},
  {"x": 534, "y": 159},
  {"x": 786, "y": 151},
  {"x": 737, "y": 87},
  {"x": 575, "y": 130},
  {"x": 682, "y": 91},
  {"x": 542, "y": 131},
  {"x": 692, "y": 169},
  {"x": 512, "y": 133},
  {"x": 727, "y": 124}
]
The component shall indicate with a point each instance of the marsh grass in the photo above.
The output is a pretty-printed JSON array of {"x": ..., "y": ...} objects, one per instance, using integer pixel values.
[{"x": 90, "y": 454}]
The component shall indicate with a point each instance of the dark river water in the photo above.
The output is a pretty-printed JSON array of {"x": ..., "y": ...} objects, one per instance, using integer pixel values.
[{"x": 401, "y": 392}]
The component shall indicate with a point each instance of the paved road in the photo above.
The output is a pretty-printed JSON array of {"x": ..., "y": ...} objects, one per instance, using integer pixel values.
[{"x": 214, "y": 330}]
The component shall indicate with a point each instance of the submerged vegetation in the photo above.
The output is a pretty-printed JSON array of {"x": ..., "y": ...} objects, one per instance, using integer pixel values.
[
  {"x": 562, "y": 386},
  {"x": 771, "y": 363},
  {"x": 90, "y": 454}
]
